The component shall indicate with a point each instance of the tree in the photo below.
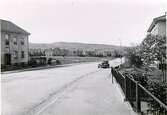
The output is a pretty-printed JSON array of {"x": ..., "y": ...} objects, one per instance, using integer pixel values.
[
  {"x": 91, "y": 53},
  {"x": 56, "y": 52},
  {"x": 64, "y": 52},
  {"x": 134, "y": 57},
  {"x": 117, "y": 54},
  {"x": 153, "y": 49},
  {"x": 80, "y": 53}
]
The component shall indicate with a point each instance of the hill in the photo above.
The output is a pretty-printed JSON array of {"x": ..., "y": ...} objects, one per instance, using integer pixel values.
[{"x": 76, "y": 46}]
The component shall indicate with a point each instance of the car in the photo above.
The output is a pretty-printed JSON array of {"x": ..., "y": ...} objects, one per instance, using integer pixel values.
[{"x": 104, "y": 64}]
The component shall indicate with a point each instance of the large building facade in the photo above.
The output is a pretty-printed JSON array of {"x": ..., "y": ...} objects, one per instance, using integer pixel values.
[{"x": 14, "y": 44}]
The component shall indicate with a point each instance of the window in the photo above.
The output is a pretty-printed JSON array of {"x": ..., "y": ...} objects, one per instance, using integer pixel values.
[
  {"x": 15, "y": 54},
  {"x": 6, "y": 39},
  {"x": 15, "y": 41},
  {"x": 22, "y": 41},
  {"x": 22, "y": 54}
]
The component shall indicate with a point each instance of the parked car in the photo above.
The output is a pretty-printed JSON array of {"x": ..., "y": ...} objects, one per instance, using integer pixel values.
[{"x": 104, "y": 64}]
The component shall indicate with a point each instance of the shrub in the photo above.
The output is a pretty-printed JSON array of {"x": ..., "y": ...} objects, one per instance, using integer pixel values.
[
  {"x": 32, "y": 62},
  {"x": 158, "y": 89},
  {"x": 58, "y": 62},
  {"x": 134, "y": 58},
  {"x": 50, "y": 61}
]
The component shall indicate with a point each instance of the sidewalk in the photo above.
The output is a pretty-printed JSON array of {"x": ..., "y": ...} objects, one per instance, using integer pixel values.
[
  {"x": 92, "y": 95},
  {"x": 38, "y": 68},
  {"x": 42, "y": 67}
]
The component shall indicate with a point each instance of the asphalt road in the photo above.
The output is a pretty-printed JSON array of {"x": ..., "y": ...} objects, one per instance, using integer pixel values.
[{"x": 79, "y": 89}]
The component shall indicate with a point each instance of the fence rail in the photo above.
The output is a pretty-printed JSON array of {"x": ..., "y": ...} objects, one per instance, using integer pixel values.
[{"x": 141, "y": 100}]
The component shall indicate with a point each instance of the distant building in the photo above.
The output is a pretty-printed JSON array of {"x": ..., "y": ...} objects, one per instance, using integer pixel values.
[
  {"x": 14, "y": 44},
  {"x": 48, "y": 53},
  {"x": 36, "y": 52},
  {"x": 158, "y": 26},
  {"x": 40, "y": 56},
  {"x": 37, "y": 57}
]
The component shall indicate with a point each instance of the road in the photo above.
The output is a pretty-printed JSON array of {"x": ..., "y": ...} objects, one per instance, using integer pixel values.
[{"x": 79, "y": 89}]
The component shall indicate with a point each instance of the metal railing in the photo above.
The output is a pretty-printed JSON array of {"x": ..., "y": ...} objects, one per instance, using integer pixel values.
[{"x": 141, "y": 100}]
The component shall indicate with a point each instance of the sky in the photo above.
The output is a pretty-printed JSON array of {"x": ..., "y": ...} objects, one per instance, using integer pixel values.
[{"x": 115, "y": 22}]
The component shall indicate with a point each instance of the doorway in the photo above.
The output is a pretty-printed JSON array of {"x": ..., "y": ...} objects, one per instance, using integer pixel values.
[{"x": 7, "y": 59}]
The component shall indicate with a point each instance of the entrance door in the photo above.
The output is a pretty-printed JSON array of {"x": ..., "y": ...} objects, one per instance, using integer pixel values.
[{"x": 7, "y": 59}]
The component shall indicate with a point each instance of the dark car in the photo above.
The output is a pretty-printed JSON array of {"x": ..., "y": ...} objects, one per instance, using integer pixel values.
[{"x": 104, "y": 64}]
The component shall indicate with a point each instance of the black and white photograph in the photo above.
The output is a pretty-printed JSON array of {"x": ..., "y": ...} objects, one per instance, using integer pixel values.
[{"x": 83, "y": 57}]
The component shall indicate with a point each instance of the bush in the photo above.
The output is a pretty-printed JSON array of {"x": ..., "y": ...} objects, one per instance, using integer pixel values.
[
  {"x": 158, "y": 89},
  {"x": 32, "y": 63},
  {"x": 134, "y": 57},
  {"x": 50, "y": 61},
  {"x": 58, "y": 62}
]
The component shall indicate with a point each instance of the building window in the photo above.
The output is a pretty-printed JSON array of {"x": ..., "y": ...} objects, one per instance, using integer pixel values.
[
  {"x": 22, "y": 54},
  {"x": 15, "y": 54},
  {"x": 15, "y": 41},
  {"x": 6, "y": 39},
  {"x": 22, "y": 41}
]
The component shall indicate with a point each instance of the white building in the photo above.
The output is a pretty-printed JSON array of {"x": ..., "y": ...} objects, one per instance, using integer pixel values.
[
  {"x": 14, "y": 44},
  {"x": 158, "y": 26}
]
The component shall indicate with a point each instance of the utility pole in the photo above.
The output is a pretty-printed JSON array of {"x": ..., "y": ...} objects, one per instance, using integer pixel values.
[
  {"x": 120, "y": 49},
  {"x": 166, "y": 54}
]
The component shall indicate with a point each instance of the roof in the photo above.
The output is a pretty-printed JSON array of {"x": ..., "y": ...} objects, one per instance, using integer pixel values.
[
  {"x": 7, "y": 26},
  {"x": 155, "y": 21}
]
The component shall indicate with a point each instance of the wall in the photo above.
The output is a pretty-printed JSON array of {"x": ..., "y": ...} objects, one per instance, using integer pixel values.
[
  {"x": 162, "y": 28},
  {"x": 155, "y": 30},
  {"x": 13, "y": 47},
  {"x": 2, "y": 48},
  {"x": 159, "y": 29}
]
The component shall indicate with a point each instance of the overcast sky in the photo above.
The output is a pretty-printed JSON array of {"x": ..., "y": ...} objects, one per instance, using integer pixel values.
[{"x": 87, "y": 21}]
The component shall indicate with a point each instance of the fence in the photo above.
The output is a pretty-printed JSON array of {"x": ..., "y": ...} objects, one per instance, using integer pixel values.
[{"x": 141, "y": 100}]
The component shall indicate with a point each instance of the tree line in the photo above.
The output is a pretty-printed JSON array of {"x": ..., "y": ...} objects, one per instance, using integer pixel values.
[{"x": 78, "y": 52}]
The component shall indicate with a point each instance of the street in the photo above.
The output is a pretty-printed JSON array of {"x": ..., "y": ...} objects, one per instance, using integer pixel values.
[{"x": 78, "y": 89}]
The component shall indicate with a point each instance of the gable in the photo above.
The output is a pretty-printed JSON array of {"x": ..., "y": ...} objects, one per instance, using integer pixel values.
[{"x": 7, "y": 26}]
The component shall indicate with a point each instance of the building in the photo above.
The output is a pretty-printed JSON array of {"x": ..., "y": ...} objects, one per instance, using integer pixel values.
[
  {"x": 48, "y": 53},
  {"x": 158, "y": 26},
  {"x": 40, "y": 56},
  {"x": 14, "y": 44}
]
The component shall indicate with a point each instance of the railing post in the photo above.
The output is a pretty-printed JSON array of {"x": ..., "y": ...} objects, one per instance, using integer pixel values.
[
  {"x": 125, "y": 83},
  {"x": 138, "y": 105},
  {"x": 112, "y": 74}
]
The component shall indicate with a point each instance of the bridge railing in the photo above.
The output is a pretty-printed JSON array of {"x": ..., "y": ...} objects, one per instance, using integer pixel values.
[{"x": 141, "y": 100}]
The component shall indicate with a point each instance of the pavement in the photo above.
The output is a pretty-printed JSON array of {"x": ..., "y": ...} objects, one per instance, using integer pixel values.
[
  {"x": 37, "y": 68},
  {"x": 78, "y": 89}
]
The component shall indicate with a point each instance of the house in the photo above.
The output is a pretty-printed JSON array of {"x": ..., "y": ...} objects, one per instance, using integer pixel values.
[
  {"x": 158, "y": 26},
  {"x": 14, "y": 44}
]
